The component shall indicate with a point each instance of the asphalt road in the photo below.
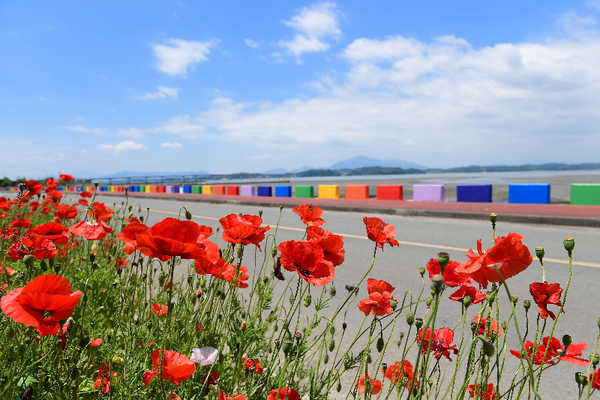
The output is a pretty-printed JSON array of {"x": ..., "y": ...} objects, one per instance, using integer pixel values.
[{"x": 421, "y": 239}]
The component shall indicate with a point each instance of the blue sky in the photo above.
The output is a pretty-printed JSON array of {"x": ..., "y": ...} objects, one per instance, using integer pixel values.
[{"x": 229, "y": 86}]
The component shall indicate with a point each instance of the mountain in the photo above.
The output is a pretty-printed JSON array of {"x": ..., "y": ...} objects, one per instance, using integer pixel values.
[
  {"x": 276, "y": 171},
  {"x": 301, "y": 169},
  {"x": 362, "y": 161}
]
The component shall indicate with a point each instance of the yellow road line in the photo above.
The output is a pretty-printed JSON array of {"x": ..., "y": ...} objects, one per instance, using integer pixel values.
[{"x": 433, "y": 246}]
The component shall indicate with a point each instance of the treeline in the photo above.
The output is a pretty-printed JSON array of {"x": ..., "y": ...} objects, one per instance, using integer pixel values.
[{"x": 7, "y": 182}]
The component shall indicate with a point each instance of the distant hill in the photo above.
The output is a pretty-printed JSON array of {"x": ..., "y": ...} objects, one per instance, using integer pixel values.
[{"x": 362, "y": 161}]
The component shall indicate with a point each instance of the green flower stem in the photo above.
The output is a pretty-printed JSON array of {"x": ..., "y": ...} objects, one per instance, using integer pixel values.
[{"x": 168, "y": 324}]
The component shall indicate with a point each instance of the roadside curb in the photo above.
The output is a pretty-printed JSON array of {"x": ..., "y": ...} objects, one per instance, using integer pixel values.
[{"x": 408, "y": 212}]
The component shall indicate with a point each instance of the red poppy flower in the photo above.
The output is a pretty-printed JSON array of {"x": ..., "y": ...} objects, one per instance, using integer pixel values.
[
  {"x": 172, "y": 237},
  {"x": 159, "y": 309},
  {"x": 399, "y": 369},
  {"x": 228, "y": 274},
  {"x": 544, "y": 294},
  {"x": 83, "y": 202},
  {"x": 175, "y": 367},
  {"x": 252, "y": 365},
  {"x": 129, "y": 234},
  {"x": 485, "y": 330},
  {"x": 34, "y": 187},
  {"x": 332, "y": 245},
  {"x": 211, "y": 378},
  {"x": 121, "y": 263},
  {"x": 65, "y": 212},
  {"x": 4, "y": 204},
  {"x": 244, "y": 229},
  {"x": 55, "y": 232},
  {"x": 96, "y": 342},
  {"x": 21, "y": 223},
  {"x": 49, "y": 326},
  {"x": 468, "y": 291},
  {"x": 103, "y": 378},
  {"x": 310, "y": 214},
  {"x": 51, "y": 293},
  {"x": 102, "y": 212},
  {"x": 8, "y": 233},
  {"x": 374, "y": 386},
  {"x": 440, "y": 344},
  {"x": 91, "y": 230},
  {"x": 34, "y": 205},
  {"x": 223, "y": 396},
  {"x": 85, "y": 194},
  {"x": 66, "y": 177},
  {"x": 5, "y": 270},
  {"x": 538, "y": 349},
  {"x": 571, "y": 354},
  {"x": 595, "y": 379},
  {"x": 451, "y": 278},
  {"x": 509, "y": 255},
  {"x": 283, "y": 394},
  {"x": 38, "y": 246},
  {"x": 308, "y": 260},
  {"x": 54, "y": 196},
  {"x": 490, "y": 393},
  {"x": 380, "y": 295},
  {"x": 380, "y": 232}
]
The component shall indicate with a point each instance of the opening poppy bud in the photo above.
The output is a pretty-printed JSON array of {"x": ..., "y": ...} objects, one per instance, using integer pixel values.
[
  {"x": 57, "y": 268},
  {"x": 580, "y": 379},
  {"x": 419, "y": 323},
  {"x": 28, "y": 260},
  {"x": 410, "y": 318},
  {"x": 443, "y": 259},
  {"x": 401, "y": 335},
  {"x": 162, "y": 277},
  {"x": 526, "y": 304},
  {"x": 326, "y": 358},
  {"x": 467, "y": 301},
  {"x": 430, "y": 383},
  {"x": 493, "y": 218},
  {"x": 307, "y": 300},
  {"x": 422, "y": 271},
  {"x": 244, "y": 326},
  {"x": 332, "y": 291},
  {"x": 428, "y": 301},
  {"x": 488, "y": 349},
  {"x": 331, "y": 345},
  {"x": 515, "y": 299},
  {"x": 569, "y": 244},
  {"x": 380, "y": 344},
  {"x": 595, "y": 359},
  {"x": 393, "y": 304}
]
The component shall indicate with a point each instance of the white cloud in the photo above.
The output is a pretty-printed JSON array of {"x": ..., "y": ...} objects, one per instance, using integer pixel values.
[
  {"x": 593, "y": 3},
  {"x": 183, "y": 126},
  {"x": 121, "y": 147},
  {"x": 177, "y": 55},
  {"x": 261, "y": 157},
  {"x": 133, "y": 132},
  {"x": 251, "y": 43},
  {"x": 81, "y": 128},
  {"x": 313, "y": 25},
  {"x": 171, "y": 145},
  {"x": 162, "y": 93}
]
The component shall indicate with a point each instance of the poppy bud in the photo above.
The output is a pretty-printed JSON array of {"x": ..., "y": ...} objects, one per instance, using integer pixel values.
[
  {"x": 380, "y": 344},
  {"x": 273, "y": 251},
  {"x": 119, "y": 271},
  {"x": 526, "y": 304},
  {"x": 474, "y": 326},
  {"x": 419, "y": 323},
  {"x": 28, "y": 260},
  {"x": 404, "y": 381},
  {"x": 505, "y": 325},
  {"x": 92, "y": 257},
  {"x": 488, "y": 348},
  {"x": 384, "y": 367},
  {"x": 393, "y": 304},
  {"x": 223, "y": 295},
  {"x": 580, "y": 379},
  {"x": 188, "y": 214},
  {"x": 493, "y": 218},
  {"x": 43, "y": 265},
  {"x": 292, "y": 299},
  {"x": 326, "y": 358},
  {"x": 244, "y": 326},
  {"x": 287, "y": 345},
  {"x": 331, "y": 345},
  {"x": 190, "y": 279},
  {"x": 162, "y": 277},
  {"x": 540, "y": 253},
  {"x": 595, "y": 359},
  {"x": 410, "y": 318},
  {"x": 401, "y": 335},
  {"x": 567, "y": 340},
  {"x": 515, "y": 299},
  {"x": 10, "y": 333},
  {"x": 332, "y": 291},
  {"x": 422, "y": 271},
  {"x": 57, "y": 268},
  {"x": 332, "y": 330},
  {"x": 369, "y": 359},
  {"x": 467, "y": 300},
  {"x": 275, "y": 328},
  {"x": 430, "y": 383},
  {"x": 344, "y": 326},
  {"x": 443, "y": 259},
  {"x": 489, "y": 297},
  {"x": 203, "y": 282},
  {"x": 339, "y": 387},
  {"x": 307, "y": 300},
  {"x": 193, "y": 299},
  {"x": 433, "y": 292},
  {"x": 260, "y": 213},
  {"x": 96, "y": 184},
  {"x": 428, "y": 301},
  {"x": 569, "y": 244}
]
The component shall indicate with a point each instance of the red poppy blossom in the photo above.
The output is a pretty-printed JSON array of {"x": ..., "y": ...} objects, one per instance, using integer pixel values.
[
  {"x": 96, "y": 342},
  {"x": 159, "y": 309},
  {"x": 538, "y": 349},
  {"x": 440, "y": 344},
  {"x": 228, "y": 274},
  {"x": 451, "y": 278},
  {"x": 244, "y": 229},
  {"x": 5, "y": 270},
  {"x": 399, "y": 369},
  {"x": 51, "y": 293},
  {"x": 21, "y": 223},
  {"x": 65, "y": 212},
  {"x": 175, "y": 367},
  {"x": 223, "y": 396},
  {"x": 121, "y": 263},
  {"x": 85, "y": 194},
  {"x": 485, "y": 330},
  {"x": 544, "y": 294},
  {"x": 380, "y": 295},
  {"x": 103, "y": 379},
  {"x": 252, "y": 365},
  {"x": 91, "y": 230},
  {"x": 129, "y": 234},
  {"x": 34, "y": 187},
  {"x": 308, "y": 260},
  {"x": 172, "y": 237},
  {"x": 49, "y": 326},
  {"x": 595, "y": 379},
  {"x": 66, "y": 177},
  {"x": 283, "y": 394},
  {"x": 373, "y": 386},
  {"x": 468, "y": 291},
  {"x": 310, "y": 214},
  {"x": 83, "y": 202},
  {"x": 490, "y": 393},
  {"x": 8, "y": 233},
  {"x": 332, "y": 245},
  {"x": 509, "y": 255},
  {"x": 571, "y": 354},
  {"x": 102, "y": 212},
  {"x": 211, "y": 378},
  {"x": 38, "y": 246},
  {"x": 4, "y": 204},
  {"x": 55, "y": 232},
  {"x": 380, "y": 232}
]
